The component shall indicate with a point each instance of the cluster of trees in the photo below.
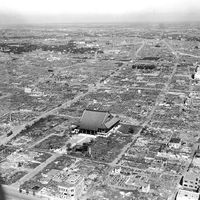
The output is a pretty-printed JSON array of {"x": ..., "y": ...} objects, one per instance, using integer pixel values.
[
  {"x": 154, "y": 58},
  {"x": 70, "y": 47},
  {"x": 144, "y": 66},
  {"x": 17, "y": 48}
]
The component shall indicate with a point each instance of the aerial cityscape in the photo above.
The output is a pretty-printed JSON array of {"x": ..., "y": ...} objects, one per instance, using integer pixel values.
[{"x": 100, "y": 111}]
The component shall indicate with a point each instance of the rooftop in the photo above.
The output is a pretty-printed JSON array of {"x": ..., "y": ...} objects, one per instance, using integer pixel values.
[
  {"x": 191, "y": 176},
  {"x": 71, "y": 180},
  {"x": 175, "y": 140},
  {"x": 187, "y": 195},
  {"x": 94, "y": 120}
]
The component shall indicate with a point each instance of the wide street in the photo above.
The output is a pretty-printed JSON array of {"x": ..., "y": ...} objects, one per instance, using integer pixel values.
[{"x": 12, "y": 192}]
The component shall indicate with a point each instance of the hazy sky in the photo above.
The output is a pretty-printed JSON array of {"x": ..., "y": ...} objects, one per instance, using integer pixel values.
[{"x": 115, "y": 8}]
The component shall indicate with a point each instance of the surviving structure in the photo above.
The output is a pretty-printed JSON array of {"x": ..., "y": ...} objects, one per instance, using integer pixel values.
[
  {"x": 187, "y": 195},
  {"x": 72, "y": 188},
  {"x": 191, "y": 182},
  {"x": 94, "y": 121}
]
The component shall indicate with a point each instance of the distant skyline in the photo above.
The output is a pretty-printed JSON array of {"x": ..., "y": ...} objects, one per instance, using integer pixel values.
[{"x": 61, "y": 11}]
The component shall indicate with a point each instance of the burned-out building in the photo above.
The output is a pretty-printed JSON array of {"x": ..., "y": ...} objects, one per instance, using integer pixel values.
[{"x": 191, "y": 181}]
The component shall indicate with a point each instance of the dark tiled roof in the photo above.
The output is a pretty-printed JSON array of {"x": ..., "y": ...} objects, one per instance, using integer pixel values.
[
  {"x": 175, "y": 140},
  {"x": 112, "y": 122},
  {"x": 94, "y": 120}
]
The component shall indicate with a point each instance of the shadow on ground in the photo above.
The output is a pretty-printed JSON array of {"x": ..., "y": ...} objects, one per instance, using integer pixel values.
[{"x": 2, "y": 194}]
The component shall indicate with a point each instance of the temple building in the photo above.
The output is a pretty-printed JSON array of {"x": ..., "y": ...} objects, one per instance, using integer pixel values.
[{"x": 94, "y": 121}]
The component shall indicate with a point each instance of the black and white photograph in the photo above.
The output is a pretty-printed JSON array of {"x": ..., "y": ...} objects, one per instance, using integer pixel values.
[{"x": 99, "y": 99}]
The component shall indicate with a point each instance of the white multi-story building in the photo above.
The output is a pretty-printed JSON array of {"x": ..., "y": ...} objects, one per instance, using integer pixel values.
[
  {"x": 72, "y": 188},
  {"x": 191, "y": 182},
  {"x": 187, "y": 195}
]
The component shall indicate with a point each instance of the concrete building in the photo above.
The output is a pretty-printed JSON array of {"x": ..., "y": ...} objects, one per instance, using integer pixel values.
[
  {"x": 72, "y": 188},
  {"x": 93, "y": 121},
  {"x": 196, "y": 159},
  {"x": 197, "y": 74},
  {"x": 116, "y": 170},
  {"x": 187, "y": 195},
  {"x": 175, "y": 143},
  {"x": 139, "y": 181},
  {"x": 191, "y": 182},
  {"x": 27, "y": 90}
]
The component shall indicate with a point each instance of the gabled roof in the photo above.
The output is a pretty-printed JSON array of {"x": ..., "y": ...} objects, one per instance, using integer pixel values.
[
  {"x": 111, "y": 122},
  {"x": 175, "y": 140},
  {"x": 93, "y": 119}
]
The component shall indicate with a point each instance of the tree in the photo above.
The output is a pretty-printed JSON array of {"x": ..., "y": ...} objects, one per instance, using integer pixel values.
[
  {"x": 19, "y": 164},
  {"x": 68, "y": 146},
  {"x": 27, "y": 191},
  {"x": 131, "y": 130},
  {"x": 9, "y": 134}
]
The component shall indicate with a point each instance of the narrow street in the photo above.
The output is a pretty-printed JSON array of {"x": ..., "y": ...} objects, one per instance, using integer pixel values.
[
  {"x": 13, "y": 189},
  {"x": 159, "y": 100},
  {"x": 35, "y": 171}
]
